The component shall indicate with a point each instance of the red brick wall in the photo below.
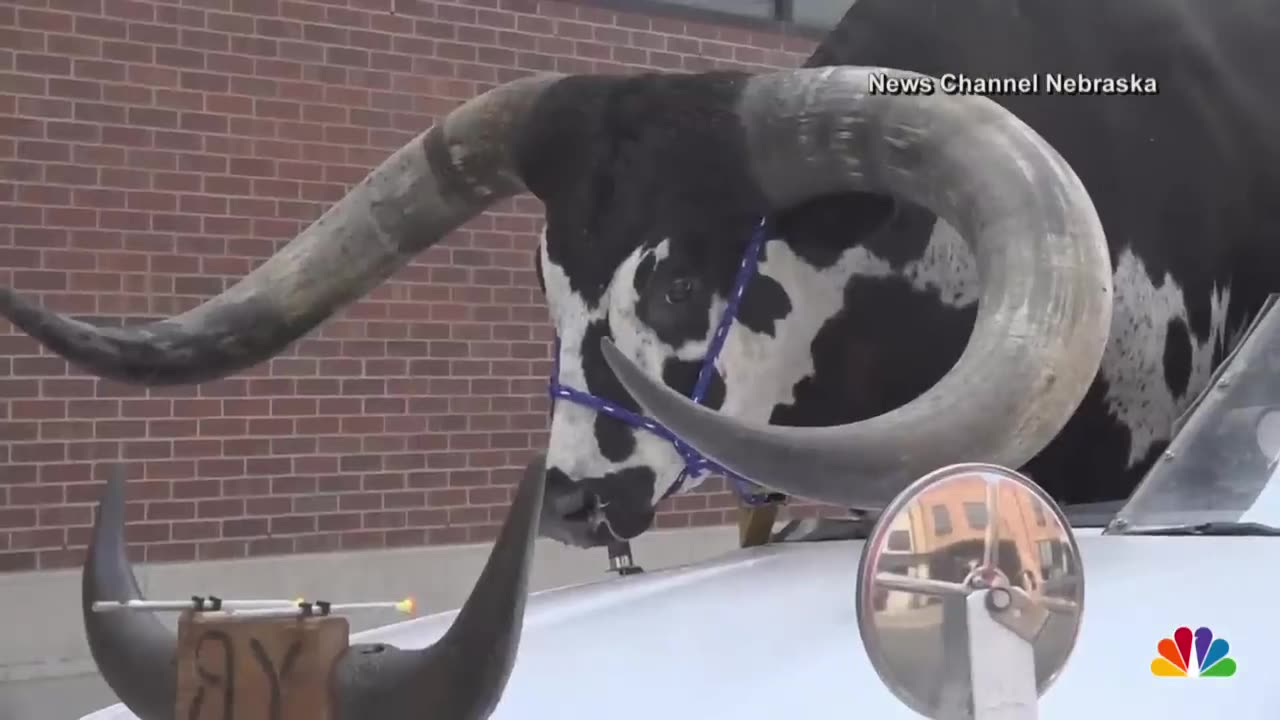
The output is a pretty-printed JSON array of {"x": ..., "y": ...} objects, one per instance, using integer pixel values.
[{"x": 152, "y": 152}]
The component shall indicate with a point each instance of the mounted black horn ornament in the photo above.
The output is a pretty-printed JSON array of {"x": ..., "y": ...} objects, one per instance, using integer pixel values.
[
  {"x": 134, "y": 652},
  {"x": 460, "y": 677}
]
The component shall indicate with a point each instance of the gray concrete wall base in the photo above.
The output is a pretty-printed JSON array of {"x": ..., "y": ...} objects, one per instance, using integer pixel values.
[{"x": 46, "y": 671}]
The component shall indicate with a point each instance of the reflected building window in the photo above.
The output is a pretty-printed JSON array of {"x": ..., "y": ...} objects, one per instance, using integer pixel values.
[
  {"x": 1036, "y": 508},
  {"x": 1056, "y": 559},
  {"x": 1067, "y": 559},
  {"x": 1045, "y": 549},
  {"x": 941, "y": 520},
  {"x": 899, "y": 541},
  {"x": 976, "y": 514}
]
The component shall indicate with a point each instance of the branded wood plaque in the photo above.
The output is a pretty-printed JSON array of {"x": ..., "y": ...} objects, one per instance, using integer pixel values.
[{"x": 257, "y": 668}]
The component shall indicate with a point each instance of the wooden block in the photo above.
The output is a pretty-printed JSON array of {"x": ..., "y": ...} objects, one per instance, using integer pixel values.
[
  {"x": 755, "y": 524},
  {"x": 257, "y": 668}
]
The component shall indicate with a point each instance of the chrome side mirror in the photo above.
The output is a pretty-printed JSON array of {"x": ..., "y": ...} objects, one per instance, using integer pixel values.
[{"x": 970, "y": 593}]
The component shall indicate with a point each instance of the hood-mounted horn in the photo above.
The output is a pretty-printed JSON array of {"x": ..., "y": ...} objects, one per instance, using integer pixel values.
[
  {"x": 460, "y": 677},
  {"x": 463, "y": 675},
  {"x": 135, "y": 653}
]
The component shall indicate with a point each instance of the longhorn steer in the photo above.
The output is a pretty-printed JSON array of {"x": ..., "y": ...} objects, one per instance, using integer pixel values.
[
  {"x": 856, "y": 327},
  {"x": 652, "y": 185}
]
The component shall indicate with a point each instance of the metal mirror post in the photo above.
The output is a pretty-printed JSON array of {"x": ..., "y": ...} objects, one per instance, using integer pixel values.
[{"x": 970, "y": 593}]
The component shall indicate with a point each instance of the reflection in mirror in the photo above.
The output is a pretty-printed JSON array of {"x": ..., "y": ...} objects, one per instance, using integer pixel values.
[{"x": 961, "y": 531}]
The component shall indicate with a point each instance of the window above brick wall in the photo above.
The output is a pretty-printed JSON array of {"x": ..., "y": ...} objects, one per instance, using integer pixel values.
[
  {"x": 808, "y": 17},
  {"x": 822, "y": 14}
]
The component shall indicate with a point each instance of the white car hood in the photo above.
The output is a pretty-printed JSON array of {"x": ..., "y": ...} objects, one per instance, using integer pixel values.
[{"x": 771, "y": 631}]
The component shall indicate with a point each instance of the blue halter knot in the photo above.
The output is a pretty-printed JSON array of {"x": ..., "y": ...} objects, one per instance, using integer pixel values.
[{"x": 695, "y": 463}]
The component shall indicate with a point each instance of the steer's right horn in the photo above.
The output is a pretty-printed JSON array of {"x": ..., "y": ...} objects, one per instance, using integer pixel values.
[
  {"x": 1043, "y": 317},
  {"x": 423, "y": 191},
  {"x": 460, "y": 677}
]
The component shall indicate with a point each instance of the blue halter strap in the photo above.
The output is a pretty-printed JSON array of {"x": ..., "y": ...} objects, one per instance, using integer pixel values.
[{"x": 695, "y": 463}]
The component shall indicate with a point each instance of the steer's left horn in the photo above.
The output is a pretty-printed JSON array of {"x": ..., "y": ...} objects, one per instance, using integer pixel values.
[
  {"x": 460, "y": 677},
  {"x": 1043, "y": 317},
  {"x": 463, "y": 675},
  {"x": 426, "y": 189}
]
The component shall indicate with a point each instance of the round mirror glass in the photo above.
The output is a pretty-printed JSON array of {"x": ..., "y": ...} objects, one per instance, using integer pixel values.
[{"x": 960, "y": 530}]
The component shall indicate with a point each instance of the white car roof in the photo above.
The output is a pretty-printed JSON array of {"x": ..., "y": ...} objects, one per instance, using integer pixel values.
[{"x": 771, "y": 631}]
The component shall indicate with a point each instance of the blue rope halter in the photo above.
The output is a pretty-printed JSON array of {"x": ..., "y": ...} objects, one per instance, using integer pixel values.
[{"x": 695, "y": 463}]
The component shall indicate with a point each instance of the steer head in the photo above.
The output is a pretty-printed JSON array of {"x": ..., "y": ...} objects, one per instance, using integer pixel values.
[{"x": 652, "y": 187}]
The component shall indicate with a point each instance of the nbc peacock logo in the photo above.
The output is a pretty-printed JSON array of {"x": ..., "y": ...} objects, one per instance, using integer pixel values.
[{"x": 1175, "y": 659}]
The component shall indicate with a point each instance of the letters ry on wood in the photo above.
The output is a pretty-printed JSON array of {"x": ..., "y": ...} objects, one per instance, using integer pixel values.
[{"x": 257, "y": 668}]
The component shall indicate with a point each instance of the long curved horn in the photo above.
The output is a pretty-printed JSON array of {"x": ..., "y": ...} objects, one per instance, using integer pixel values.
[
  {"x": 435, "y": 183},
  {"x": 461, "y": 677},
  {"x": 1043, "y": 316},
  {"x": 134, "y": 652}
]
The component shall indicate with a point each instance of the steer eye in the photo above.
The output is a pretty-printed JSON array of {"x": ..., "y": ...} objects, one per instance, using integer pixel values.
[{"x": 680, "y": 290}]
